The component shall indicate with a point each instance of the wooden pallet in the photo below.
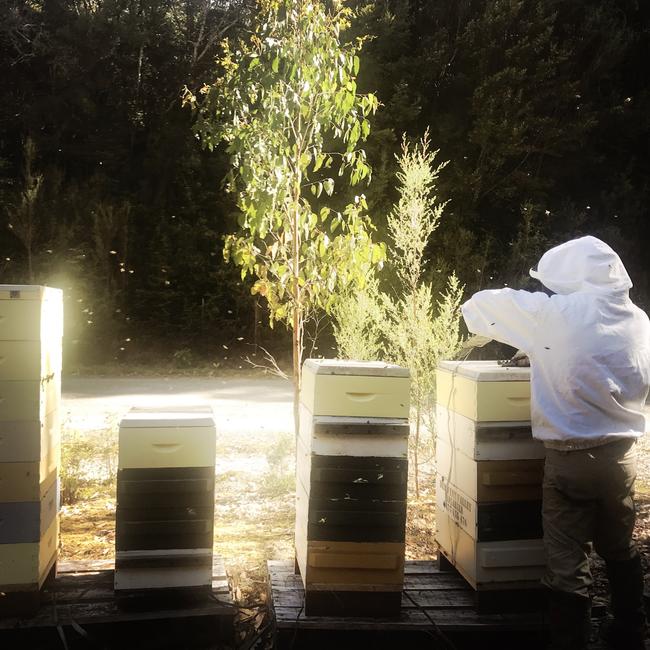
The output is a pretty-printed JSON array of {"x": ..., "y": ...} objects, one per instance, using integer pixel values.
[
  {"x": 82, "y": 600},
  {"x": 435, "y": 604}
]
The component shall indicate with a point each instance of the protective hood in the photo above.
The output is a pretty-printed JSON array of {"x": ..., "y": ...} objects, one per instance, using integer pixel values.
[{"x": 584, "y": 264}]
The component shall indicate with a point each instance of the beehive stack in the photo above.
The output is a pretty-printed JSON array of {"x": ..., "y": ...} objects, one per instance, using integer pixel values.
[
  {"x": 31, "y": 330},
  {"x": 489, "y": 475},
  {"x": 165, "y": 500},
  {"x": 351, "y": 487}
]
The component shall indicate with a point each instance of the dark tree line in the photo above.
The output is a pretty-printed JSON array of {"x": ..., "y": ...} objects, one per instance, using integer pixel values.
[{"x": 542, "y": 108}]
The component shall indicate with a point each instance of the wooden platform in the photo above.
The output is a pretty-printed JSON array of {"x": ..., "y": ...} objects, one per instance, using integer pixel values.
[
  {"x": 81, "y": 605},
  {"x": 436, "y": 606}
]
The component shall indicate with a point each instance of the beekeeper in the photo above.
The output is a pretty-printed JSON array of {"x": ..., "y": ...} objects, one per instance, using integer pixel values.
[{"x": 589, "y": 350}]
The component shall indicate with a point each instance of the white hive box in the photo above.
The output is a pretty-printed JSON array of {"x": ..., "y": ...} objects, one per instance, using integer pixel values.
[
  {"x": 32, "y": 441},
  {"x": 31, "y": 329},
  {"x": 326, "y": 435},
  {"x": 165, "y": 502},
  {"x": 489, "y": 475},
  {"x": 487, "y": 440},
  {"x": 355, "y": 388},
  {"x": 489, "y": 564},
  {"x": 484, "y": 391},
  {"x": 490, "y": 480},
  {"x": 163, "y": 569},
  {"x": 182, "y": 437},
  {"x": 351, "y": 471},
  {"x": 31, "y": 313}
]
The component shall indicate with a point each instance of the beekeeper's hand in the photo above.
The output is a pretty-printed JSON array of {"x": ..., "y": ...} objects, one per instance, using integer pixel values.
[{"x": 519, "y": 360}]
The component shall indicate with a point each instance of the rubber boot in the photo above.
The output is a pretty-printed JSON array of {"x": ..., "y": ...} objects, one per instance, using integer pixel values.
[
  {"x": 628, "y": 629},
  {"x": 569, "y": 621}
]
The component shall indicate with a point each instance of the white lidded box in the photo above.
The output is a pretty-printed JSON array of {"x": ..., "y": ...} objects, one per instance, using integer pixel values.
[
  {"x": 167, "y": 437},
  {"x": 355, "y": 388},
  {"x": 484, "y": 391}
]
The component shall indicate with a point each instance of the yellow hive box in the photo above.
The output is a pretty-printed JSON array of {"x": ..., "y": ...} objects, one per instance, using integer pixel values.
[
  {"x": 31, "y": 440},
  {"x": 489, "y": 563},
  {"x": 484, "y": 391},
  {"x": 24, "y": 567},
  {"x": 29, "y": 360},
  {"x": 172, "y": 437},
  {"x": 30, "y": 313},
  {"x": 29, "y": 400},
  {"x": 27, "y": 481},
  {"x": 490, "y": 480},
  {"x": 355, "y": 388}
]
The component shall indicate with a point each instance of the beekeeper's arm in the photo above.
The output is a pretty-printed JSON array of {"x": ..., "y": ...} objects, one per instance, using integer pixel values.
[{"x": 505, "y": 315}]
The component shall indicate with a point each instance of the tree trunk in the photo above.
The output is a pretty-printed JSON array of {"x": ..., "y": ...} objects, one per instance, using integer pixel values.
[
  {"x": 416, "y": 474},
  {"x": 297, "y": 323}
]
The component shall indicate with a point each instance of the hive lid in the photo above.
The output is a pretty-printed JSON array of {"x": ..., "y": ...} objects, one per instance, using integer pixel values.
[
  {"x": 485, "y": 370},
  {"x": 199, "y": 415},
  {"x": 27, "y": 292},
  {"x": 356, "y": 368}
]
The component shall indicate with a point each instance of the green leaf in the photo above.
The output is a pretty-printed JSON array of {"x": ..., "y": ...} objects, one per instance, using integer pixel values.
[
  {"x": 355, "y": 132},
  {"x": 320, "y": 159},
  {"x": 275, "y": 66}
]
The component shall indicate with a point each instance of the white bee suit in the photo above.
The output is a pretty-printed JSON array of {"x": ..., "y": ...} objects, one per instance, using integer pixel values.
[
  {"x": 589, "y": 345},
  {"x": 589, "y": 350}
]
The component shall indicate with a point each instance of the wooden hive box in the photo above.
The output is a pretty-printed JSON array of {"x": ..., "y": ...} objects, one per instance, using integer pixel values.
[
  {"x": 489, "y": 475},
  {"x": 165, "y": 499},
  {"x": 31, "y": 329},
  {"x": 352, "y": 472}
]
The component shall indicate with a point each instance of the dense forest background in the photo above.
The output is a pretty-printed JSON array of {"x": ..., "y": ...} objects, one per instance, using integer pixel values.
[{"x": 542, "y": 108}]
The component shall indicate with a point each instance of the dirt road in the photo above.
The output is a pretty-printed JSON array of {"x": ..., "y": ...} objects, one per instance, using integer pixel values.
[{"x": 247, "y": 406}]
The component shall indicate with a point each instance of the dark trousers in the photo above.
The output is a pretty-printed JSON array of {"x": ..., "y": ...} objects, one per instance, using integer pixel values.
[{"x": 587, "y": 498}]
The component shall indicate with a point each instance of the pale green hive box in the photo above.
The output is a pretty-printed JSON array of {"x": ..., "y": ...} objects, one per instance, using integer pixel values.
[
  {"x": 484, "y": 391},
  {"x": 167, "y": 437},
  {"x": 355, "y": 388}
]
